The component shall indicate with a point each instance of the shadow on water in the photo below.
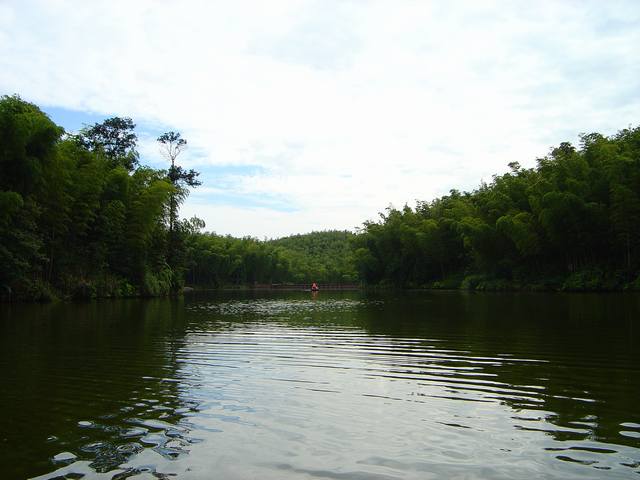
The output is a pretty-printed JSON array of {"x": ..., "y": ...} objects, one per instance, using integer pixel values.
[{"x": 96, "y": 379}]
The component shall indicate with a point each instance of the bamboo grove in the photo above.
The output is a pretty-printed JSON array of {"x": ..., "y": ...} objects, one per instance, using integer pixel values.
[
  {"x": 80, "y": 217},
  {"x": 571, "y": 223}
]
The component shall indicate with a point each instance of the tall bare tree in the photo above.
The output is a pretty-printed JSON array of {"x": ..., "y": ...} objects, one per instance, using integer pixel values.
[{"x": 171, "y": 146}]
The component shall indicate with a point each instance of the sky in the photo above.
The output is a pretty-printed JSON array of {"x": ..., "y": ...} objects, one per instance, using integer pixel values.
[{"x": 313, "y": 115}]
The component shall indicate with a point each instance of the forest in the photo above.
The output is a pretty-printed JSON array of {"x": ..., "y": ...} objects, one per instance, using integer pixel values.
[
  {"x": 570, "y": 223},
  {"x": 218, "y": 261},
  {"x": 80, "y": 217}
]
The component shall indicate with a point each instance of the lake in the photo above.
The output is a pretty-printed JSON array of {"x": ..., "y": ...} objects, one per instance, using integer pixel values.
[{"x": 352, "y": 386}]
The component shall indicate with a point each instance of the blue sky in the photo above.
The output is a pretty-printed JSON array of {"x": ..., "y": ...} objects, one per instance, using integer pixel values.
[
  {"x": 72, "y": 120},
  {"x": 306, "y": 115}
]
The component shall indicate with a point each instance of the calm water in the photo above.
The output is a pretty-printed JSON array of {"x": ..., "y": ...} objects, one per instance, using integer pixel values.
[{"x": 337, "y": 386}]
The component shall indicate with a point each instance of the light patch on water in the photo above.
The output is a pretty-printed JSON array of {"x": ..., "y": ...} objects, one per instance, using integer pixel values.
[{"x": 273, "y": 308}]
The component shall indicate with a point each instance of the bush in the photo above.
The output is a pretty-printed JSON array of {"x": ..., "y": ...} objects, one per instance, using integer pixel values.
[
  {"x": 496, "y": 285},
  {"x": 37, "y": 291},
  {"x": 113, "y": 286},
  {"x": 584, "y": 281},
  {"x": 487, "y": 283},
  {"x": 177, "y": 282},
  {"x": 5, "y": 293},
  {"x": 451, "y": 282},
  {"x": 634, "y": 286},
  {"x": 84, "y": 290},
  {"x": 540, "y": 287},
  {"x": 471, "y": 282},
  {"x": 125, "y": 289},
  {"x": 157, "y": 284}
]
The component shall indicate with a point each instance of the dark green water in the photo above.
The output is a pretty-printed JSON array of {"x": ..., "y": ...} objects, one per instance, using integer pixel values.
[{"x": 337, "y": 386}]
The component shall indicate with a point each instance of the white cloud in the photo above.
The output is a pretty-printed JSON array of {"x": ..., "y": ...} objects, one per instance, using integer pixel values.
[{"x": 345, "y": 106}]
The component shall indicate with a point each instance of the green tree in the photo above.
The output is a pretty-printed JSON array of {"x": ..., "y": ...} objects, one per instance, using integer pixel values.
[
  {"x": 171, "y": 145},
  {"x": 115, "y": 138}
]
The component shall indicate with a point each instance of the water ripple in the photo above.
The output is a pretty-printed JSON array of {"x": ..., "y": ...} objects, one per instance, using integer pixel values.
[{"x": 315, "y": 387}]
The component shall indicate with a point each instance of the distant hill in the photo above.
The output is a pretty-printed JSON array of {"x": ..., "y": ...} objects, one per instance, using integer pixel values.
[
  {"x": 218, "y": 261},
  {"x": 325, "y": 257}
]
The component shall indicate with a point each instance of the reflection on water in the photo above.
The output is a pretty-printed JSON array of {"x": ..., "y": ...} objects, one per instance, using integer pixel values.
[{"x": 347, "y": 386}]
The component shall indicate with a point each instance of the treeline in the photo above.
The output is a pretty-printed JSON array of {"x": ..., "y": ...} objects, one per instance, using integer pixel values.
[
  {"x": 218, "y": 261},
  {"x": 572, "y": 223},
  {"x": 79, "y": 216}
]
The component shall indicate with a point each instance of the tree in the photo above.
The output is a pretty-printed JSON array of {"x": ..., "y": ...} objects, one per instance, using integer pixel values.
[
  {"x": 27, "y": 145},
  {"x": 115, "y": 139},
  {"x": 625, "y": 218},
  {"x": 28, "y": 141},
  {"x": 171, "y": 145}
]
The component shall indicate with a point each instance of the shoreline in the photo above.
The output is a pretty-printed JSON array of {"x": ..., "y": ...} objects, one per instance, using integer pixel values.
[{"x": 189, "y": 290}]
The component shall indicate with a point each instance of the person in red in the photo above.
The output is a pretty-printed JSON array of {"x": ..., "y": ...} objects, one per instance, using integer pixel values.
[{"x": 314, "y": 287}]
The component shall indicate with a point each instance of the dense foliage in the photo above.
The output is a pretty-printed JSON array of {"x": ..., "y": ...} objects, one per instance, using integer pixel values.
[
  {"x": 78, "y": 216},
  {"x": 323, "y": 257},
  {"x": 573, "y": 223}
]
